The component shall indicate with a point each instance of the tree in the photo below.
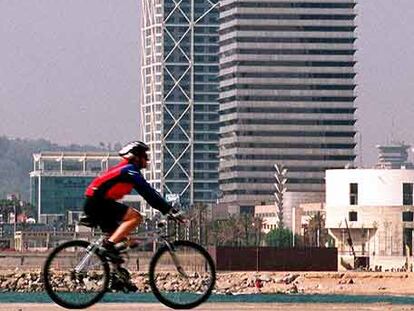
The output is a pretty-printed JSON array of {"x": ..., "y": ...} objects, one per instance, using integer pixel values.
[
  {"x": 281, "y": 237},
  {"x": 315, "y": 232},
  {"x": 236, "y": 230}
]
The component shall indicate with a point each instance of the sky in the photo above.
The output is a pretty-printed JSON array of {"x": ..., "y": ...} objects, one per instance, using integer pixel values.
[{"x": 70, "y": 71}]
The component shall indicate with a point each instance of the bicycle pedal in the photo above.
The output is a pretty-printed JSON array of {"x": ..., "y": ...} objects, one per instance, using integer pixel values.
[{"x": 114, "y": 258}]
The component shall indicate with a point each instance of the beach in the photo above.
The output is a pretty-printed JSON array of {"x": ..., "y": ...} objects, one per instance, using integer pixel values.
[{"x": 324, "y": 283}]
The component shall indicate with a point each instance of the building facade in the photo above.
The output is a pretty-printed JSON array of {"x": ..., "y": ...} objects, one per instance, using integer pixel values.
[
  {"x": 269, "y": 217},
  {"x": 59, "y": 179},
  {"x": 286, "y": 96},
  {"x": 393, "y": 156},
  {"x": 377, "y": 206},
  {"x": 180, "y": 92}
]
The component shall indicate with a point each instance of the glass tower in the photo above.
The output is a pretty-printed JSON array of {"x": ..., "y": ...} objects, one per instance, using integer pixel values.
[
  {"x": 287, "y": 96},
  {"x": 180, "y": 97}
]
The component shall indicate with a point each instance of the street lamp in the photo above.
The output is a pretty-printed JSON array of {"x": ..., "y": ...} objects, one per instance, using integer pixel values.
[{"x": 14, "y": 220}]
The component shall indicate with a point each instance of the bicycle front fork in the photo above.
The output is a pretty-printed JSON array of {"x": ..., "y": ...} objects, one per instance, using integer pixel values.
[
  {"x": 175, "y": 259},
  {"x": 90, "y": 250}
]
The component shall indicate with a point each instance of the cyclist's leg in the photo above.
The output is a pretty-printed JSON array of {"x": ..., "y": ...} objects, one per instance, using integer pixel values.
[
  {"x": 91, "y": 209},
  {"x": 120, "y": 221},
  {"x": 130, "y": 220},
  {"x": 111, "y": 214}
]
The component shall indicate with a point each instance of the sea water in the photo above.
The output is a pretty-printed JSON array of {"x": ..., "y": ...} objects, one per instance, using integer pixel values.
[{"x": 42, "y": 297}]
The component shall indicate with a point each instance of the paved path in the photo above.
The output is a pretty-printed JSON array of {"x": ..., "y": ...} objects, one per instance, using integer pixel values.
[{"x": 213, "y": 306}]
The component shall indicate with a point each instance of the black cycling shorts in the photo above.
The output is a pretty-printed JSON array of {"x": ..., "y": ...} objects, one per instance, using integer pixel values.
[{"x": 108, "y": 214}]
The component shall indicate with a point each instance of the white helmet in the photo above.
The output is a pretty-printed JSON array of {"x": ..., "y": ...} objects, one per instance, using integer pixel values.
[{"x": 134, "y": 148}]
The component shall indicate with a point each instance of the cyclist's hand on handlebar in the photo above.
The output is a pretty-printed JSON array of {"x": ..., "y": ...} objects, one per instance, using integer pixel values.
[{"x": 177, "y": 215}]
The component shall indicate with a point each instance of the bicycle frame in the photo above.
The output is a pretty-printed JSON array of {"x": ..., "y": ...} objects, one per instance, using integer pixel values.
[{"x": 152, "y": 235}]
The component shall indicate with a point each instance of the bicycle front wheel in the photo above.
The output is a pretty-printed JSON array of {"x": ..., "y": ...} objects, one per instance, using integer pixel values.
[
  {"x": 182, "y": 278},
  {"x": 75, "y": 277}
]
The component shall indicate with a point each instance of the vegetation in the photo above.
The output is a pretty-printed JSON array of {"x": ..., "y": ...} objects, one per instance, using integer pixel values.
[
  {"x": 315, "y": 233},
  {"x": 240, "y": 230},
  {"x": 282, "y": 238},
  {"x": 16, "y": 162},
  {"x": 245, "y": 230},
  {"x": 16, "y": 206}
]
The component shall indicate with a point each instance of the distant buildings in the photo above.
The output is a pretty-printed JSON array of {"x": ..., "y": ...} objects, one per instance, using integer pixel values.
[
  {"x": 58, "y": 182},
  {"x": 286, "y": 97},
  {"x": 268, "y": 214},
  {"x": 393, "y": 156},
  {"x": 180, "y": 92}
]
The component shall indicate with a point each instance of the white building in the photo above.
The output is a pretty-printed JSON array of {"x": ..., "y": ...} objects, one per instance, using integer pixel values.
[
  {"x": 378, "y": 207},
  {"x": 268, "y": 214}
]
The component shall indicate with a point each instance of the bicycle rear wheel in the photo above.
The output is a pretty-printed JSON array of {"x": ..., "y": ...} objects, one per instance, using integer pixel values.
[
  {"x": 74, "y": 277},
  {"x": 183, "y": 278}
]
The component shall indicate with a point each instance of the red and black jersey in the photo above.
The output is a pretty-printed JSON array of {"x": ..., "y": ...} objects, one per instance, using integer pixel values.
[{"x": 120, "y": 180}]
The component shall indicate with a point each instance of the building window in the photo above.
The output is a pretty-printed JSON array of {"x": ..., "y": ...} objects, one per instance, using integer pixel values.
[
  {"x": 247, "y": 210},
  {"x": 353, "y": 216},
  {"x": 353, "y": 194},
  {"x": 407, "y": 194},
  {"x": 408, "y": 216}
]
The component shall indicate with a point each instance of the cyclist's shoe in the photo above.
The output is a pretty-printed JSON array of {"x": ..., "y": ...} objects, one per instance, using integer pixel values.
[
  {"x": 110, "y": 252},
  {"x": 130, "y": 287},
  {"x": 118, "y": 286},
  {"x": 121, "y": 281}
]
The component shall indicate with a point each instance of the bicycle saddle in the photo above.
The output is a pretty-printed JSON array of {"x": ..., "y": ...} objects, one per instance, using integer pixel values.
[{"x": 87, "y": 222}]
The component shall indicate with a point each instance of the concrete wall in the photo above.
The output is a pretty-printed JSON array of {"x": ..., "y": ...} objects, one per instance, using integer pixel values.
[{"x": 376, "y": 187}]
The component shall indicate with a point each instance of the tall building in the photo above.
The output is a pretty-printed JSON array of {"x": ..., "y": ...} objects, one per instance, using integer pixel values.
[
  {"x": 180, "y": 97},
  {"x": 286, "y": 96}
]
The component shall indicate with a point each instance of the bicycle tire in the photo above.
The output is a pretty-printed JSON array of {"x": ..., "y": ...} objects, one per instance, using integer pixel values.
[
  {"x": 49, "y": 286},
  {"x": 152, "y": 275}
]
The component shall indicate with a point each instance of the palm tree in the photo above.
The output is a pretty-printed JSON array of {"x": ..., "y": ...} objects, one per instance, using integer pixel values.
[{"x": 315, "y": 233}]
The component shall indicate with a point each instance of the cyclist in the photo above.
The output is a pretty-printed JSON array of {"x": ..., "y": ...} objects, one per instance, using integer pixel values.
[{"x": 101, "y": 204}]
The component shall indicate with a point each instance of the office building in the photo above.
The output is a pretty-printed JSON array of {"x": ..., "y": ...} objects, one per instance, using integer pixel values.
[
  {"x": 58, "y": 182},
  {"x": 287, "y": 97},
  {"x": 179, "y": 97}
]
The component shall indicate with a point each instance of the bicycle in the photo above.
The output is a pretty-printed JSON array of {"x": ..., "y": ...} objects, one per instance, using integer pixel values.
[{"x": 77, "y": 274}]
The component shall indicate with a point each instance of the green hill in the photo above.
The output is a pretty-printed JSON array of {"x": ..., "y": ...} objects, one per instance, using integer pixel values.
[{"x": 16, "y": 161}]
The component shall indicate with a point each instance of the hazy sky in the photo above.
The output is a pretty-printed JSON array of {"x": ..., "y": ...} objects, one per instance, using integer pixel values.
[{"x": 69, "y": 71}]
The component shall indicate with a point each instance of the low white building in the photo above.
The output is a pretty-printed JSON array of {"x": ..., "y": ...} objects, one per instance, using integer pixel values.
[
  {"x": 377, "y": 204},
  {"x": 268, "y": 214}
]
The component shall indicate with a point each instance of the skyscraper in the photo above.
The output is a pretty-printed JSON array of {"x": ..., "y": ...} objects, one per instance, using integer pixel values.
[
  {"x": 286, "y": 95},
  {"x": 180, "y": 96}
]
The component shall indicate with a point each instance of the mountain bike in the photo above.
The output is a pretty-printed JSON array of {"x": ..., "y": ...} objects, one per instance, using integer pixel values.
[{"x": 77, "y": 274}]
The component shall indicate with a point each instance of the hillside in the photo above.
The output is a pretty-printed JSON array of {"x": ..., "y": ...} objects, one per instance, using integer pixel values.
[{"x": 16, "y": 161}]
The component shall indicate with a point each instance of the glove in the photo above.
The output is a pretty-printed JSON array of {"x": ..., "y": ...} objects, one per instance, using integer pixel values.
[{"x": 176, "y": 215}]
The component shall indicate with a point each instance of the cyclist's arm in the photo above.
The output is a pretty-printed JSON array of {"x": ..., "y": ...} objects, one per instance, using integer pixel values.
[{"x": 148, "y": 193}]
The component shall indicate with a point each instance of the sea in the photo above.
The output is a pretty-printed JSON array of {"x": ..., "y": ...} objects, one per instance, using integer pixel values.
[{"x": 42, "y": 297}]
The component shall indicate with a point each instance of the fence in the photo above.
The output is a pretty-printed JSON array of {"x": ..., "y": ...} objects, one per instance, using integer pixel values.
[{"x": 274, "y": 259}]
